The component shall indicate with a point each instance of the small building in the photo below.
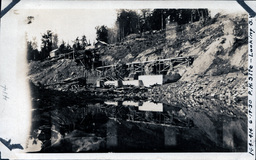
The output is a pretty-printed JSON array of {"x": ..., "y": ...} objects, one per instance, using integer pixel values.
[
  {"x": 149, "y": 80},
  {"x": 54, "y": 53},
  {"x": 100, "y": 44},
  {"x": 99, "y": 83},
  {"x": 116, "y": 83},
  {"x": 131, "y": 103},
  {"x": 90, "y": 47},
  {"x": 136, "y": 83},
  {"x": 150, "y": 106},
  {"x": 112, "y": 103}
]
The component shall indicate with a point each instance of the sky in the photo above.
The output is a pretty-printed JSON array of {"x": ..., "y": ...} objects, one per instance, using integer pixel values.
[
  {"x": 70, "y": 20},
  {"x": 68, "y": 24}
]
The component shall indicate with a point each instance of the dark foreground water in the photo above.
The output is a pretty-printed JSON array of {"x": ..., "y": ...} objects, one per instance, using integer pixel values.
[{"x": 132, "y": 126}]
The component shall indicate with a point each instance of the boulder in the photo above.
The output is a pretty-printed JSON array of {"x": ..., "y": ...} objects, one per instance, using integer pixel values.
[{"x": 171, "y": 77}]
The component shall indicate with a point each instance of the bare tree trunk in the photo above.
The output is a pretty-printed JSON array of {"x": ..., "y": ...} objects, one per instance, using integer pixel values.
[{"x": 162, "y": 20}]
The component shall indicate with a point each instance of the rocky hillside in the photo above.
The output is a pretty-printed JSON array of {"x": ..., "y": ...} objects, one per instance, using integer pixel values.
[
  {"x": 219, "y": 70},
  {"x": 219, "y": 44}
]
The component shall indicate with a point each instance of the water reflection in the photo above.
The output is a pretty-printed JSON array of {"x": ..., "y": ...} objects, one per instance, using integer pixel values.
[
  {"x": 135, "y": 126},
  {"x": 146, "y": 112},
  {"x": 170, "y": 137},
  {"x": 232, "y": 132},
  {"x": 143, "y": 106}
]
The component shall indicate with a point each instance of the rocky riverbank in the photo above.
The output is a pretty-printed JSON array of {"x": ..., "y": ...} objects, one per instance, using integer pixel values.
[
  {"x": 218, "y": 73},
  {"x": 229, "y": 91}
]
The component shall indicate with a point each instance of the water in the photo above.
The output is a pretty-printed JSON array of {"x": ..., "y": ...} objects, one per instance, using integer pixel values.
[{"x": 134, "y": 126}]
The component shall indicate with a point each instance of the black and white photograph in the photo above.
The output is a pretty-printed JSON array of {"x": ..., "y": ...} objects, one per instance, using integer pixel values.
[{"x": 127, "y": 79}]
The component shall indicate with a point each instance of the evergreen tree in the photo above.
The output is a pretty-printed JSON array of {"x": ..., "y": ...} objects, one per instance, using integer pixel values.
[
  {"x": 84, "y": 42},
  {"x": 29, "y": 50},
  {"x": 127, "y": 22},
  {"x": 102, "y": 33},
  {"x": 32, "y": 51},
  {"x": 55, "y": 41},
  {"x": 62, "y": 47},
  {"x": 46, "y": 47}
]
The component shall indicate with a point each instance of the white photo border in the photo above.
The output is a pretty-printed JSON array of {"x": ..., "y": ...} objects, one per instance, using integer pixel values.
[{"x": 10, "y": 77}]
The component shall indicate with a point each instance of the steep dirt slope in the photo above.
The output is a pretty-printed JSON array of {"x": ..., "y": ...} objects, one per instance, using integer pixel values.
[
  {"x": 220, "y": 69},
  {"x": 218, "y": 45},
  {"x": 221, "y": 38}
]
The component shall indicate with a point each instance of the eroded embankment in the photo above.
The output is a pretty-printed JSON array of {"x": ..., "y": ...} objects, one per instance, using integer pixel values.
[
  {"x": 217, "y": 76},
  {"x": 216, "y": 95}
]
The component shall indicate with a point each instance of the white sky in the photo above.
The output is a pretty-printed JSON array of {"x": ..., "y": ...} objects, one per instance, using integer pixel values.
[
  {"x": 68, "y": 24},
  {"x": 76, "y": 18}
]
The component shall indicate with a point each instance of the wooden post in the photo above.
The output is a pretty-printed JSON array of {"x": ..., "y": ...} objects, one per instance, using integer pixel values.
[
  {"x": 141, "y": 68},
  {"x": 159, "y": 67},
  {"x": 84, "y": 72},
  {"x": 171, "y": 66}
]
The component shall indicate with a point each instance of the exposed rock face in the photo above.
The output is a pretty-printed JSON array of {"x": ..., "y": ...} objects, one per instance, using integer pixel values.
[
  {"x": 230, "y": 90},
  {"x": 171, "y": 77},
  {"x": 219, "y": 68}
]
